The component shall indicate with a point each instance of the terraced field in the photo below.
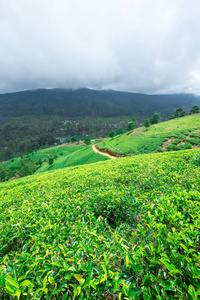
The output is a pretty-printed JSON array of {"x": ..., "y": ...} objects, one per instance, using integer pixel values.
[{"x": 121, "y": 229}]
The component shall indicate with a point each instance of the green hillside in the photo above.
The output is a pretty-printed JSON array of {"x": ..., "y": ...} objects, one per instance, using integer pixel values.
[
  {"x": 82, "y": 155},
  {"x": 164, "y": 129},
  {"x": 177, "y": 134},
  {"x": 38, "y": 161},
  {"x": 121, "y": 229}
]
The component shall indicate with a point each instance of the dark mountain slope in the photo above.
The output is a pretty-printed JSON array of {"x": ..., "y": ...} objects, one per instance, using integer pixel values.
[{"x": 85, "y": 102}]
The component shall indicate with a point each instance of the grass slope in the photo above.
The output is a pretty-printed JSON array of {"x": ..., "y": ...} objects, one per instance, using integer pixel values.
[
  {"x": 82, "y": 155},
  {"x": 163, "y": 129},
  {"x": 124, "y": 144},
  {"x": 64, "y": 156},
  {"x": 140, "y": 140},
  {"x": 44, "y": 154},
  {"x": 121, "y": 229}
]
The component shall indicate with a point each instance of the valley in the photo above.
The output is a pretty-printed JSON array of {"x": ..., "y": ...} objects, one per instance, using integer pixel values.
[{"x": 81, "y": 225}]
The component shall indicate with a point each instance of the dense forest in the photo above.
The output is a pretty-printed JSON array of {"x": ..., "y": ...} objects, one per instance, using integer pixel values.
[{"x": 86, "y": 102}]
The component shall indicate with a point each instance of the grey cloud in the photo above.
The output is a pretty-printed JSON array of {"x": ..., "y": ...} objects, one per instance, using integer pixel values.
[{"x": 143, "y": 46}]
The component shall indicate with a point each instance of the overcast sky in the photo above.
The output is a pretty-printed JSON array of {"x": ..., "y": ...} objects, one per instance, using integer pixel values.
[{"x": 149, "y": 46}]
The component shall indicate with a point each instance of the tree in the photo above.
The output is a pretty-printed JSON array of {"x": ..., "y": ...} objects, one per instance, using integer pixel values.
[
  {"x": 120, "y": 130},
  {"x": 179, "y": 112},
  {"x": 51, "y": 161},
  {"x": 182, "y": 113},
  {"x": 67, "y": 141},
  {"x": 87, "y": 140},
  {"x": 146, "y": 123},
  {"x": 112, "y": 134},
  {"x": 73, "y": 138},
  {"x": 130, "y": 126},
  {"x": 194, "y": 109},
  {"x": 154, "y": 119}
]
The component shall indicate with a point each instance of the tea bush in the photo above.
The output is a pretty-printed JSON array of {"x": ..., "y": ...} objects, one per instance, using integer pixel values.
[{"x": 121, "y": 229}]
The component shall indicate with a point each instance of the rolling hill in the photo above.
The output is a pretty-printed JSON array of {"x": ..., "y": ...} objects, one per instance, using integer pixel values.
[
  {"x": 38, "y": 161},
  {"x": 177, "y": 134}
]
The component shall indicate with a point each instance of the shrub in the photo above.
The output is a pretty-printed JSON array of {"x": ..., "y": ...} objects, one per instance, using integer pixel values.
[
  {"x": 185, "y": 146},
  {"x": 193, "y": 141},
  {"x": 176, "y": 141},
  {"x": 195, "y": 134},
  {"x": 172, "y": 117},
  {"x": 173, "y": 148},
  {"x": 51, "y": 161}
]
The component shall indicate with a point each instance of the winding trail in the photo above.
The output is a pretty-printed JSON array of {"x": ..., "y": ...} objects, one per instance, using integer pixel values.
[{"x": 101, "y": 152}]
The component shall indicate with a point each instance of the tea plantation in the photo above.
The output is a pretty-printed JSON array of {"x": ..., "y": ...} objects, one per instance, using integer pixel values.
[
  {"x": 127, "y": 228},
  {"x": 177, "y": 134}
]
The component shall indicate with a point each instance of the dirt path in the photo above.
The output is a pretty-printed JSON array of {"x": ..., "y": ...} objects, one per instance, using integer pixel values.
[{"x": 101, "y": 152}]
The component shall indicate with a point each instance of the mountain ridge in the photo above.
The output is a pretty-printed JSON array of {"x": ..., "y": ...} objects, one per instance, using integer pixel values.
[{"x": 88, "y": 102}]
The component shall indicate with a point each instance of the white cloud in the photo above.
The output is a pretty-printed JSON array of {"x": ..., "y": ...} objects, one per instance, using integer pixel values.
[{"x": 135, "y": 45}]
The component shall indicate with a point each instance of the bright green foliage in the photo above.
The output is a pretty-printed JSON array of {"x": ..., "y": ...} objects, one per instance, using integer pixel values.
[
  {"x": 169, "y": 127},
  {"x": 127, "y": 227},
  {"x": 152, "y": 140},
  {"x": 64, "y": 156},
  {"x": 81, "y": 156},
  {"x": 126, "y": 144}
]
